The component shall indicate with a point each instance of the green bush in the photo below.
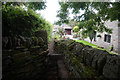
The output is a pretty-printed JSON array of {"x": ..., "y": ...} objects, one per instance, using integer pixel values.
[
  {"x": 17, "y": 21},
  {"x": 76, "y": 29}
]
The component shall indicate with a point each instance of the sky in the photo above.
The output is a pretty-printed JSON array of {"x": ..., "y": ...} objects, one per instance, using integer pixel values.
[{"x": 51, "y": 11}]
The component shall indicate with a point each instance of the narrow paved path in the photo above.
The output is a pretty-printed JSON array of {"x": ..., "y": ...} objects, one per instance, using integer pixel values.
[
  {"x": 63, "y": 73},
  {"x": 55, "y": 68},
  {"x": 50, "y": 46}
]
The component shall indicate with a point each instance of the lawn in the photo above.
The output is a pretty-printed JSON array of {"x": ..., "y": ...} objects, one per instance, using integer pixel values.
[
  {"x": 86, "y": 43},
  {"x": 93, "y": 45}
]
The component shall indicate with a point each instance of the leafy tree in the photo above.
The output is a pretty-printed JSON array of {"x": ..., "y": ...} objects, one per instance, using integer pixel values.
[
  {"x": 73, "y": 23},
  {"x": 61, "y": 31},
  {"x": 29, "y": 5},
  {"x": 63, "y": 13},
  {"x": 94, "y": 16},
  {"x": 36, "y": 5}
]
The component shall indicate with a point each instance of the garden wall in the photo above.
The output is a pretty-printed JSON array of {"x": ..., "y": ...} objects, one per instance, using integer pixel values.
[
  {"x": 24, "y": 57},
  {"x": 83, "y": 61}
]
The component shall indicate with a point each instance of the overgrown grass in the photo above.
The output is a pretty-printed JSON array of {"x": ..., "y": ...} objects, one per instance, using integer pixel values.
[{"x": 93, "y": 45}]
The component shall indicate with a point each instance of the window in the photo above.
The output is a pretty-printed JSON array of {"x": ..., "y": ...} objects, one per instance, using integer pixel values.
[
  {"x": 94, "y": 35},
  {"x": 107, "y": 38}
]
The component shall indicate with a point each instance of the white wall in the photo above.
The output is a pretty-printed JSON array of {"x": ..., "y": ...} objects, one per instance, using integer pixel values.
[
  {"x": 119, "y": 39},
  {"x": 114, "y": 36}
]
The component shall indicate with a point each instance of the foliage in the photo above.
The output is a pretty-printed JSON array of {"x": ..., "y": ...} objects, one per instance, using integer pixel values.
[
  {"x": 83, "y": 34},
  {"x": 111, "y": 48},
  {"x": 29, "y": 5},
  {"x": 56, "y": 36},
  {"x": 76, "y": 29},
  {"x": 45, "y": 26},
  {"x": 61, "y": 31},
  {"x": 13, "y": 17},
  {"x": 36, "y": 5},
  {"x": 99, "y": 10},
  {"x": 48, "y": 27},
  {"x": 94, "y": 16},
  {"x": 91, "y": 35},
  {"x": 16, "y": 21},
  {"x": 90, "y": 28},
  {"x": 63, "y": 14},
  {"x": 73, "y": 23}
]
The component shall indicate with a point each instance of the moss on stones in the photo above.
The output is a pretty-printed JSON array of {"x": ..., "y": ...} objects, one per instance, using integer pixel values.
[{"x": 86, "y": 62}]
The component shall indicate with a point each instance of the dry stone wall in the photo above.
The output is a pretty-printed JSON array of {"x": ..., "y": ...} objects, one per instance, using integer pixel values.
[
  {"x": 24, "y": 57},
  {"x": 85, "y": 62}
]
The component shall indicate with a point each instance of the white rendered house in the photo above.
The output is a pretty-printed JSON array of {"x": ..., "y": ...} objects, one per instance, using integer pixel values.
[{"x": 107, "y": 40}]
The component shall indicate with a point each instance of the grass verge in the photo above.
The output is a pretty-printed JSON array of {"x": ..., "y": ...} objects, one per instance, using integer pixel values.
[{"x": 93, "y": 45}]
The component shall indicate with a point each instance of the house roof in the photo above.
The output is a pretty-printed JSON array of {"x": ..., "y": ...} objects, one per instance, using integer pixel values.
[
  {"x": 65, "y": 26},
  {"x": 55, "y": 27}
]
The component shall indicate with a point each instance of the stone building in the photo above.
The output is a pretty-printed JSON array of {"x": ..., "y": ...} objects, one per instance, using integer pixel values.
[
  {"x": 107, "y": 40},
  {"x": 67, "y": 29}
]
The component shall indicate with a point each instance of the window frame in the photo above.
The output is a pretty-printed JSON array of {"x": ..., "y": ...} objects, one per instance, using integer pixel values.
[
  {"x": 107, "y": 38},
  {"x": 95, "y": 36}
]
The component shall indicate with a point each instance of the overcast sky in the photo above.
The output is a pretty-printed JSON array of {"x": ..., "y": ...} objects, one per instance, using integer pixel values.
[{"x": 51, "y": 11}]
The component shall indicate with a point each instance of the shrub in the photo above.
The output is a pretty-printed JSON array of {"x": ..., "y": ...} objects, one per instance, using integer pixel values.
[
  {"x": 76, "y": 29},
  {"x": 17, "y": 21}
]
